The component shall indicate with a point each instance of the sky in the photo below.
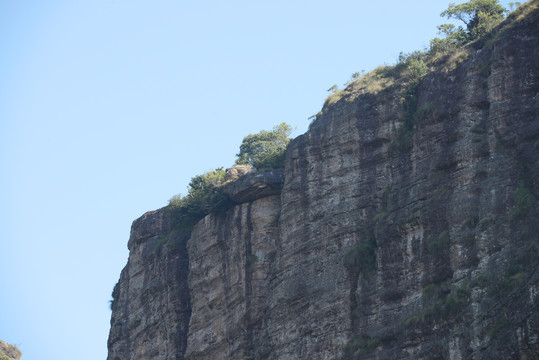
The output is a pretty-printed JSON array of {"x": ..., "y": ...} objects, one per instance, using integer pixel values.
[{"x": 109, "y": 107}]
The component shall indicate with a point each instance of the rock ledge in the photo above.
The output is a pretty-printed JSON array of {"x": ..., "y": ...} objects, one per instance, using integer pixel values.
[{"x": 255, "y": 185}]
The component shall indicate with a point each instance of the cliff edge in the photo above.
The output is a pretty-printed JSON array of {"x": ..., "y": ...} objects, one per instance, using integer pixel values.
[{"x": 404, "y": 226}]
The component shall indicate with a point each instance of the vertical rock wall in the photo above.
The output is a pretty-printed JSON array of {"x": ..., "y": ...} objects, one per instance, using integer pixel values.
[
  {"x": 230, "y": 263},
  {"x": 386, "y": 241},
  {"x": 452, "y": 214},
  {"x": 151, "y": 305}
]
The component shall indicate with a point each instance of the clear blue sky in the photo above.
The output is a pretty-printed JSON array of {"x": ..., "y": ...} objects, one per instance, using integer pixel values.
[{"x": 109, "y": 107}]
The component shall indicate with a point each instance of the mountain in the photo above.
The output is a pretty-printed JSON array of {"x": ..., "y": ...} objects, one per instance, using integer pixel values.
[{"x": 403, "y": 226}]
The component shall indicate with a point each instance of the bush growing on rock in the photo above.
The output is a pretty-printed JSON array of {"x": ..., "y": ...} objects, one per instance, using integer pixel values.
[
  {"x": 480, "y": 16},
  {"x": 265, "y": 150},
  {"x": 204, "y": 196}
]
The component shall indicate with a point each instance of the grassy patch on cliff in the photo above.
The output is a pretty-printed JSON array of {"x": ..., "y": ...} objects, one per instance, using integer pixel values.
[
  {"x": 361, "y": 258},
  {"x": 440, "y": 302},
  {"x": 360, "y": 262},
  {"x": 483, "y": 22},
  {"x": 524, "y": 202},
  {"x": 360, "y": 346}
]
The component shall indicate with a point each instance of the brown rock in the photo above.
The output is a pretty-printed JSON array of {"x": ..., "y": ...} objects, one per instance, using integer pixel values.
[
  {"x": 237, "y": 171},
  {"x": 387, "y": 241},
  {"x": 255, "y": 185}
]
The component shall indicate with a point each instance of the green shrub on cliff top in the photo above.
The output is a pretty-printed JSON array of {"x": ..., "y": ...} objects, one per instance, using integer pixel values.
[
  {"x": 266, "y": 149},
  {"x": 204, "y": 197}
]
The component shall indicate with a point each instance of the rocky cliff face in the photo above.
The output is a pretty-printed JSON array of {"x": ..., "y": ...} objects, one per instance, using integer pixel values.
[{"x": 388, "y": 240}]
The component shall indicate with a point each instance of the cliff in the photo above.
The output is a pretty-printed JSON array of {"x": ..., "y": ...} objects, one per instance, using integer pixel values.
[
  {"x": 406, "y": 228},
  {"x": 9, "y": 352}
]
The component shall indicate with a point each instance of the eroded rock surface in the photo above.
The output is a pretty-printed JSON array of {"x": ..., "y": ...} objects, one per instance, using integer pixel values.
[
  {"x": 386, "y": 241},
  {"x": 255, "y": 185},
  {"x": 151, "y": 305},
  {"x": 230, "y": 271}
]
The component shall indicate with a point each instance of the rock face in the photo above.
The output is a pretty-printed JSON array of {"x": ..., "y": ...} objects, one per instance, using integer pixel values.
[
  {"x": 385, "y": 242},
  {"x": 255, "y": 185},
  {"x": 9, "y": 352},
  {"x": 229, "y": 278},
  {"x": 152, "y": 307}
]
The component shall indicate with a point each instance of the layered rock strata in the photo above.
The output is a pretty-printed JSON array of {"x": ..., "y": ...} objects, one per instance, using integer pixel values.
[
  {"x": 388, "y": 239},
  {"x": 151, "y": 306}
]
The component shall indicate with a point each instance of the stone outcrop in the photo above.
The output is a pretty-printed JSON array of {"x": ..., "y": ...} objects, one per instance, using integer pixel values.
[
  {"x": 151, "y": 307},
  {"x": 255, "y": 185},
  {"x": 386, "y": 241},
  {"x": 9, "y": 352},
  {"x": 236, "y": 171}
]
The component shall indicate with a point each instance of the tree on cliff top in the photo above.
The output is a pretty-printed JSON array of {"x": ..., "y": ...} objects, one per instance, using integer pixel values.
[
  {"x": 266, "y": 149},
  {"x": 205, "y": 194},
  {"x": 479, "y": 16}
]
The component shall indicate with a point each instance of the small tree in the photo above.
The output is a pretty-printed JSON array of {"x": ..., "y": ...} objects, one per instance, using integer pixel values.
[
  {"x": 333, "y": 89},
  {"x": 479, "y": 16},
  {"x": 514, "y": 5},
  {"x": 265, "y": 149},
  {"x": 453, "y": 38}
]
